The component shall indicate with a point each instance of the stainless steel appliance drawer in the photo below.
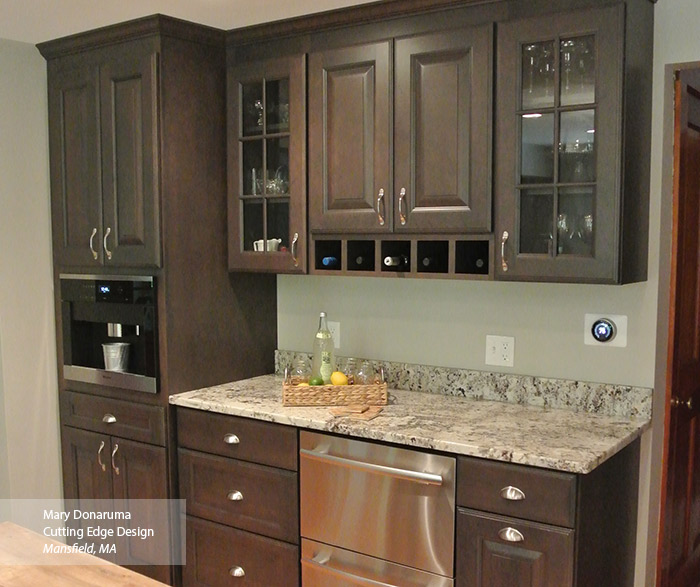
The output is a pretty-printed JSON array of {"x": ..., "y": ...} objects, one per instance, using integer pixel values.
[
  {"x": 323, "y": 565},
  {"x": 389, "y": 503}
]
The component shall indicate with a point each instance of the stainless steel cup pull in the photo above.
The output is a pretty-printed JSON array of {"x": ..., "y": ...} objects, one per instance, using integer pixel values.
[
  {"x": 104, "y": 243},
  {"x": 92, "y": 237},
  {"x": 512, "y": 493},
  {"x": 402, "y": 196},
  {"x": 99, "y": 456},
  {"x": 109, "y": 419},
  {"x": 510, "y": 535},
  {"x": 231, "y": 439},
  {"x": 114, "y": 452},
  {"x": 504, "y": 239},
  {"x": 236, "y": 572},
  {"x": 295, "y": 242},
  {"x": 235, "y": 496},
  {"x": 380, "y": 207}
]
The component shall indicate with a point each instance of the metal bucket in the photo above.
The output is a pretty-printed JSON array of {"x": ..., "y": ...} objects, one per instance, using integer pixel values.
[{"x": 116, "y": 355}]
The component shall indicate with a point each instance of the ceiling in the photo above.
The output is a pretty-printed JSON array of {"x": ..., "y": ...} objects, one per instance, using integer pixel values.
[{"x": 34, "y": 21}]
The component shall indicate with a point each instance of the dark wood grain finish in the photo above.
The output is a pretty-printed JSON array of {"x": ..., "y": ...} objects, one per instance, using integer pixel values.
[
  {"x": 83, "y": 476},
  {"x": 550, "y": 496},
  {"x": 142, "y": 475},
  {"x": 259, "y": 442},
  {"x": 543, "y": 559},
  {"x": 350, "y": 115},
  {"x": 292, "y": 68},
  {"x": 213, "y": 551},
  {"x": 76, "y": 208},
  {"x": 442, "y": 131},
  {"x": 607, "y": 25},
  {"x": 270, "y": 498},
  {"x": 133, "y": 421},
  {"x": 130, "y": 177}
]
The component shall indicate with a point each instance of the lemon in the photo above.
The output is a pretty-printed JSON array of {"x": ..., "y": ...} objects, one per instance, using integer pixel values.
[
  {"x": 339, "y": 378},
  {"x": 303, "y": 384}
]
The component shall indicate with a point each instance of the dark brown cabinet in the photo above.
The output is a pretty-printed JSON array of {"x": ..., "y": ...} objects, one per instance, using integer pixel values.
[
  {"x": 103, "y": 132},
  {"x": 267, "y": 165},
  {"x": 432, "y": 102},
  {"x": 98, "y": 466},
  {"x": 559, "y": 157},
  {"x": 239, "y": 477}
]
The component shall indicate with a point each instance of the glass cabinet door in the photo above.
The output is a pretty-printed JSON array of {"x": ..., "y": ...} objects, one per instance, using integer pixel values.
[
  {"x": 559, "y": 120},
  {"x": 267, "y": 196}
]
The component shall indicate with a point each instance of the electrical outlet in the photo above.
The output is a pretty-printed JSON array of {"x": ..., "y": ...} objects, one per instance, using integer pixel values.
[
  {"x": 500, "y": 350},
  {"x": 334, "y": 327}
]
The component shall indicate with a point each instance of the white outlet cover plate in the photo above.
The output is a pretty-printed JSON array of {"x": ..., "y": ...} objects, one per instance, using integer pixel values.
[
  {"x": 500, "y": 350},
  {"x": 620, "y": 322},
  {"x": 334, "y": 327}
]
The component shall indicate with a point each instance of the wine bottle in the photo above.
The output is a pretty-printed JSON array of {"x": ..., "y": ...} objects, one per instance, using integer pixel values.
[
  {"x": 359, "y": 261},
  {"x": 399, "y": 262},
  {"x": 427, "y": 261},
  {"x": 324, "y": 352},
  {"x": 330, "y": 262}
]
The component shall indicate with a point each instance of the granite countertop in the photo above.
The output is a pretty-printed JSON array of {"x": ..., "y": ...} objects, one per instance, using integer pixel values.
[{"x": 560, "y": 439}]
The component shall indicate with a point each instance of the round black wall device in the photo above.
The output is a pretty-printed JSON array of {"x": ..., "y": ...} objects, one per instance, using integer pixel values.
[{"x": 603, "y": 330}]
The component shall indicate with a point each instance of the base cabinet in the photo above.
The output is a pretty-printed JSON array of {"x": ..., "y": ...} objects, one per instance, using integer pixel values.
[{"x": 495, "y": 551}]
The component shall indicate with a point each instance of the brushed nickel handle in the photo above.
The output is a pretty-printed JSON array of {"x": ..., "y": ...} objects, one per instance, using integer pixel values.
[
  {"x": 295, "y": 240},
  {"x": 236, "y": 572},
  {"x": 114, "y": 452},
  {"x": 109, "y": 419},
  {"x": 512, "y": 493},
  {"x": 231, "y": 439},
  {"x": 99, "y": 456},
  {"x": 235, "y": 496},
  {"x": 104, "y": 243},
  {"x": 92, "y": 248},
  {"x": 380, "y": 206},
  {"x": 504, "y": 239},
  {"x": 404, "y": 474},
  {"x": 402, "y": 216},
  {"x": 510, "y": 535},
  {"x": 676, "y": 401},
  {"x": 323, "y": 561}
]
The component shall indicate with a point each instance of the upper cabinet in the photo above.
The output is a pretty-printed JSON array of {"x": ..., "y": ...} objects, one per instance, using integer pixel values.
[
  {"x": 559, "y": 156},
  {"x": 266, "y": 165},
  {"x": 103, "y": 133},
  {"x": 429, "y": 97}
]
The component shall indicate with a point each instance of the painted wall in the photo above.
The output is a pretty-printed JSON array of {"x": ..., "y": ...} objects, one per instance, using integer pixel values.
[{"x": 28, "y": 372}]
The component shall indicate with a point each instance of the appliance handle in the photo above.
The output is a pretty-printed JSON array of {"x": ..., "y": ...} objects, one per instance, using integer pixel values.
[
  {"x": 405, "y": 474},
  {"x": 356, "y": 579}
]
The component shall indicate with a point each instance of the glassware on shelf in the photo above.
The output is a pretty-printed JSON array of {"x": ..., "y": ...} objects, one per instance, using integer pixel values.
[
  {"x": 577, "y": 56},
  {"x": 300, "y": 372},
  {"x": 538, "y": 75}
]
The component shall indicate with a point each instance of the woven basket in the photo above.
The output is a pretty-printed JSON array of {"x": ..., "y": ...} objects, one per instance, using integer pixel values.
[{"x": 335, "y": 395}]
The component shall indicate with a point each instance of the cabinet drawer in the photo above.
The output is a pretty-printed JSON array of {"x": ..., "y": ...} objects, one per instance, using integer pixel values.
[
  {"x": 547, "y": 496},
  {"x": 215, "y": 551},
  {"x": 495, "y": 550},
  {"x": 240, "y": 438},
  {"x": 115, "y": 417},
  {"x": 252, "y": 497}
]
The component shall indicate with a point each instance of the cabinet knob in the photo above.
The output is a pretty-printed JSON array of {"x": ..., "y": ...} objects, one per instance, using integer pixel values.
[
  {"x": 109, "y": 419},
  {"x": 99, "y": 456},
  {"x": 92, "y": 237},
  {"x": 104, "y": 243},
  {"x": 231, "y": 439},
  {"x": 236, "y": 572},
  {"x": 512, "y": 493},
  {"x": 380, "y": 206},
  {"x": 510, "y": 535},
  {"x": 235, "y": 496},
  {"x": 402, "y": 196}
]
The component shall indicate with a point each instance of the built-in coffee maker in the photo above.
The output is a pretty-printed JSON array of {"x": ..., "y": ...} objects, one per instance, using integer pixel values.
[{"x": 110, "y": 333}]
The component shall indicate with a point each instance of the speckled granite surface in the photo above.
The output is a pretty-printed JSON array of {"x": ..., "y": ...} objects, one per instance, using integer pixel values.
[
  {"x": 580, "y": 396},
  {"x": 532, "y": 435}
]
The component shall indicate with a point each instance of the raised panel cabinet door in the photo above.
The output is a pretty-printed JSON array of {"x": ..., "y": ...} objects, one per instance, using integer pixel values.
[
  {"x": 495, "y": 551},
  {"x": 129, "y": 127},
  {"x": 350, "y": 119},
  {"x": 442, "y": 146},
  {"x": 139, "y": 472},
  {"x": 76, "y": 193},
  {"x": 266, "y": 124},
  {"x": 558, "y": 167}
]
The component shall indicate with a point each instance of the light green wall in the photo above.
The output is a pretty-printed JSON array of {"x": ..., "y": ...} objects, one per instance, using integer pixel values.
[{"x": 30, "y": 399}]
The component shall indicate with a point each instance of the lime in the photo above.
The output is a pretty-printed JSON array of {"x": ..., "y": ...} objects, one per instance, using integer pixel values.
[{"x": 316, "y": 381}]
